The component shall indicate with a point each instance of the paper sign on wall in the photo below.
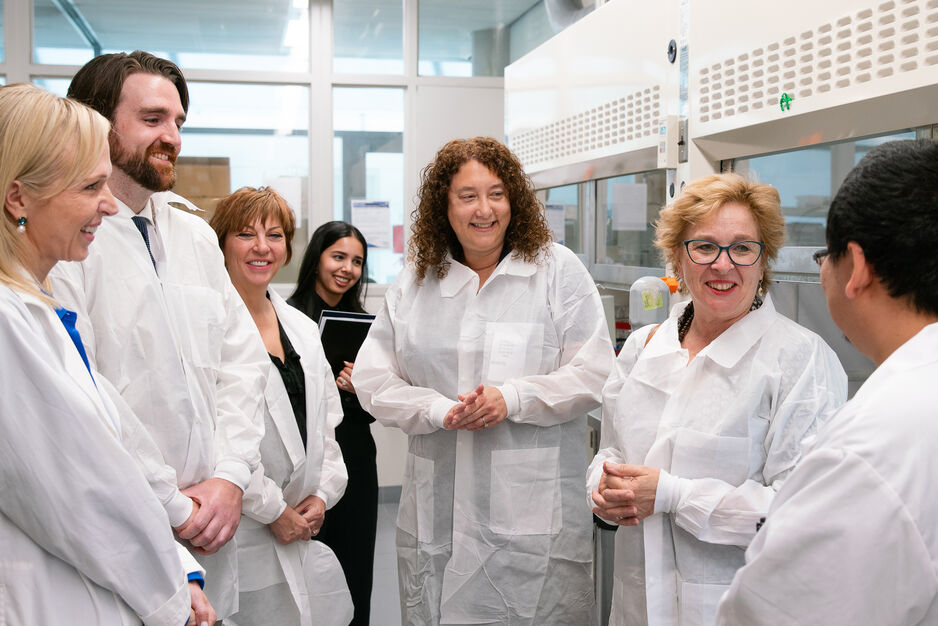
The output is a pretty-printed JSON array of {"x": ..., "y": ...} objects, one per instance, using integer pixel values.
[
  {"x": 373, "y": 218},
  {"x": 629, "y": 205},
  {"x": 555, "y": 219}
]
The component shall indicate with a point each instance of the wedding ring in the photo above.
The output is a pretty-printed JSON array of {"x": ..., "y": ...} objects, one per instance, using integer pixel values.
[{"x": 483, "y": 423}]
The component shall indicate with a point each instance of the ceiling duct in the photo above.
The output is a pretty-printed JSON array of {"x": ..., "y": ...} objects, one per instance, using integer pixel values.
[{"x": 563, "y": 13}]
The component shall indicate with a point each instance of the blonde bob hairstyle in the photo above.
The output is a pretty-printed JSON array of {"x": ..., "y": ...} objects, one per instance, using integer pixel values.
[
  {"x": 248, "y": 205},
  {"x": 48, "y": 144},
  {"x": 700, "y": 198}
]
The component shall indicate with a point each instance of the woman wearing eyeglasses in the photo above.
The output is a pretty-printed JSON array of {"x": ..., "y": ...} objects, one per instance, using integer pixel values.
[{"x": 704, "y": 414}]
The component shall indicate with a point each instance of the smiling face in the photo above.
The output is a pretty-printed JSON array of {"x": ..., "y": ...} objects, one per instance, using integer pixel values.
[
  {"x": 340, "y": 267},
  {"x": 722, "y": 291},
  {"x": 479, "y": 212},
  {"x": 145, "y": 139},
  {"x": 62, "y": 227},
  {"x": 254, "y": 254}
]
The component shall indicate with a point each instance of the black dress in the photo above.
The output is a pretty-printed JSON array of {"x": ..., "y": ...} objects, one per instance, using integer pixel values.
[{"x": 350, "y": 526}]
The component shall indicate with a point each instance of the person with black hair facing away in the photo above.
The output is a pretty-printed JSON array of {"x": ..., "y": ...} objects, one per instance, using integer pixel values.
[
  {"x": 850, "y": 538},
  {"x": 331, "y": 278}
]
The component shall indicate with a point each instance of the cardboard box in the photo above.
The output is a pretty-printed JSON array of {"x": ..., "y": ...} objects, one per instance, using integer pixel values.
[{"x": 205, "y": 177}]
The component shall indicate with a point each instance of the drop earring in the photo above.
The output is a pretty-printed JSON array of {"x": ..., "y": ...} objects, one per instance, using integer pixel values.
[{"x": 21, "y": 225}]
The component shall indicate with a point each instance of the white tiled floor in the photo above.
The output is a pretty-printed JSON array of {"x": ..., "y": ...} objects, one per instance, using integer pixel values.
[{"x": 385, "y": 599}]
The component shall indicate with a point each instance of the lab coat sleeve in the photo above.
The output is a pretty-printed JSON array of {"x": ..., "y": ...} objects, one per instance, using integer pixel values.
[
  {"x": 839, "y": 547},
  {"x": 609, "y": 447},
  {"x": 333, "y": 477},
  {"x": 586, "y": 353},
  {"x": 382, "y": 388},
  {"x": 67, "y": 483},
  {"x": 263, "y": 499},
  {"x": 717, "y": 512},
  {"x": 239, "y": 423},
  {"x": 138, "y": 442}
]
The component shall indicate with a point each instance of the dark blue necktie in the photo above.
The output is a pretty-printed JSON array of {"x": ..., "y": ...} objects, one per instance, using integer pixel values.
[{"x": 141, "y": 224}]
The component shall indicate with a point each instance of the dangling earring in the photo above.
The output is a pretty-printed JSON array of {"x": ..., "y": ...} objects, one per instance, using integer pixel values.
[
  {"x": 761, "y": 290},
  {"x": 21, "y": 225}
]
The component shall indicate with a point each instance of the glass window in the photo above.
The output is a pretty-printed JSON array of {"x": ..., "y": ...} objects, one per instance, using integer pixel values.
[
  {"x": 269, "y": 35},
  {"x": 630, "y": 206},
  {"x": 368, "y": 153},
  {"x": 807, "y": 179},
  {"x": 368, "y": 37},
  {"x": 564, "y": 214},
  {"x": 2, "y": 40}
]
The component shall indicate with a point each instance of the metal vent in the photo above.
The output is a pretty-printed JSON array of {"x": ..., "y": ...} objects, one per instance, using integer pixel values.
[
  {"x": 894, "y": 37},
  {"x": 631, "y": 117}
]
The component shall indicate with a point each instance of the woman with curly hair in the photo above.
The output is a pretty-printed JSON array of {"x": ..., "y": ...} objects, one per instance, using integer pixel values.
[{"x": 489, "y": 351}]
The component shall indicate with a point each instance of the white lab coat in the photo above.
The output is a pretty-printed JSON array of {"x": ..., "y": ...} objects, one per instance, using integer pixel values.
[
  {"x": 181, "y": 349},
  {"x": 315, "y": 583},
  {"x": 491, "y": 525},
  {"x": 727, "y": 429},
  {"x": 852, "y": 537},
  {"x": 83, "y": 540}
]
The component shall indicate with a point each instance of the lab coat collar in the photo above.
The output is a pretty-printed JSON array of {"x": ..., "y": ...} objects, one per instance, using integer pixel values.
[
  {"x": 71, "y": 359},
  {"x": 281, "y": 411},
  {"x": 916, "y": 352},
  {"x": 460, "y": 275},
  {"x": 727, "y": 349}
]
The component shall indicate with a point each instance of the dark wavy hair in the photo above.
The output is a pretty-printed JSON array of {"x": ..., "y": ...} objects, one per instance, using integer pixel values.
[
  {"x": 304, "y": 296},
  {"x": 433, "y": 237}
]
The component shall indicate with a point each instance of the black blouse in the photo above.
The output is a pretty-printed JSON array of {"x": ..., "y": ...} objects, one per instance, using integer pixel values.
[{"x": 291, "y": 372}]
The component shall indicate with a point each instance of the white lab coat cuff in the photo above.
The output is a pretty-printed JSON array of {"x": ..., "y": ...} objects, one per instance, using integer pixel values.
[
  {"x": 174, "y": 611},
  {"x": 669, "y": 493},
  {"x": 189, "y": 564},
  {"x": 179, "y": 508},
  {"x": 512, "y": 399},
  {"x": 438, "y": 411},
  {"x": 234, "y": 471}
]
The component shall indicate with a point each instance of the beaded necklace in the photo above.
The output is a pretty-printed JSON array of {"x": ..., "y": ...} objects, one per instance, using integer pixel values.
[{"x": 687, "y": 317}]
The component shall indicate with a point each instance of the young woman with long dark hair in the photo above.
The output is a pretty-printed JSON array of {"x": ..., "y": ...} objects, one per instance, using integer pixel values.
[{"x": 331, "y": 278}]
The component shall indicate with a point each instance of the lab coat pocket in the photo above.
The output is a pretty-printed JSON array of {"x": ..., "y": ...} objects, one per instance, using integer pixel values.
[
  {"x": 415, "y": 515},
  {"x": 512, "y": 350},
  {"x": 703, "y": 455},
  {"x": 200, "y": 322},
  {"x": 699, "y": 603},
  {"x": 524, "y": 492}
]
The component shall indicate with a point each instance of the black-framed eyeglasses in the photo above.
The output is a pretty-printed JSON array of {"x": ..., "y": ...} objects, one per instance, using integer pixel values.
[
  {"x": 820, "y": 255},
  {"x": 706, "y": 252}
]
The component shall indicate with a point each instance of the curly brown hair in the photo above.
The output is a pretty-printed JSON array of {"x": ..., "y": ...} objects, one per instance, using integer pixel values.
[{"x": 433, "y": 237}]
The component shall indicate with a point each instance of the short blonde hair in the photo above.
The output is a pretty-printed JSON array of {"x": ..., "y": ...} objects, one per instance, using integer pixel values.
[
  {"x": 247, "y": 205},
  {"x": 48, "y": 144},
  {"x": 700, "y": 198}
]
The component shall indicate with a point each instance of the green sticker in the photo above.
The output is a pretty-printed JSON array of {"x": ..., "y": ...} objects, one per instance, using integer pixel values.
[{"x": 652, "y": 300}]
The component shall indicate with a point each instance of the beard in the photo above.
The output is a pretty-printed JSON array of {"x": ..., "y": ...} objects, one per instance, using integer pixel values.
[{"x": 139, "y": 168}]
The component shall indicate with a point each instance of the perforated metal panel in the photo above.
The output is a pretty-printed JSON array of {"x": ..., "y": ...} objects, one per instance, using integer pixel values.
[
  {"x": 619, "y": 122},
  {"x": 888, "y": 39}
]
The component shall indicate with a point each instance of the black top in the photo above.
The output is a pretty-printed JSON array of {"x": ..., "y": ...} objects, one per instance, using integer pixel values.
[
  {"x": 291, "y": 372},
  {"x": 355, "y": 415}
]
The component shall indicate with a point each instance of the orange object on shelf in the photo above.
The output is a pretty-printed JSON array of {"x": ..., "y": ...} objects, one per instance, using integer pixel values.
[{"x": 671, "y": 282}]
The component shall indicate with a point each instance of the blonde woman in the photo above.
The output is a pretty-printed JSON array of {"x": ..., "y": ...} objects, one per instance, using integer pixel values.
[{"x": 84, "y": 537}]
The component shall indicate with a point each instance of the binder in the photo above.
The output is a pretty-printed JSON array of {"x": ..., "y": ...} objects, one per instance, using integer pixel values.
[{"x": 342, "y": 334}]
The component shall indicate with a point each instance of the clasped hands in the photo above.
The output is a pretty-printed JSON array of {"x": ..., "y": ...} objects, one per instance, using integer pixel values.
[
  {"x": 216, "y": 512},
  {"x": 626, "y": 493},
  {"x": 483, "y": 407},
  {"x": 301, "y": 523}
]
